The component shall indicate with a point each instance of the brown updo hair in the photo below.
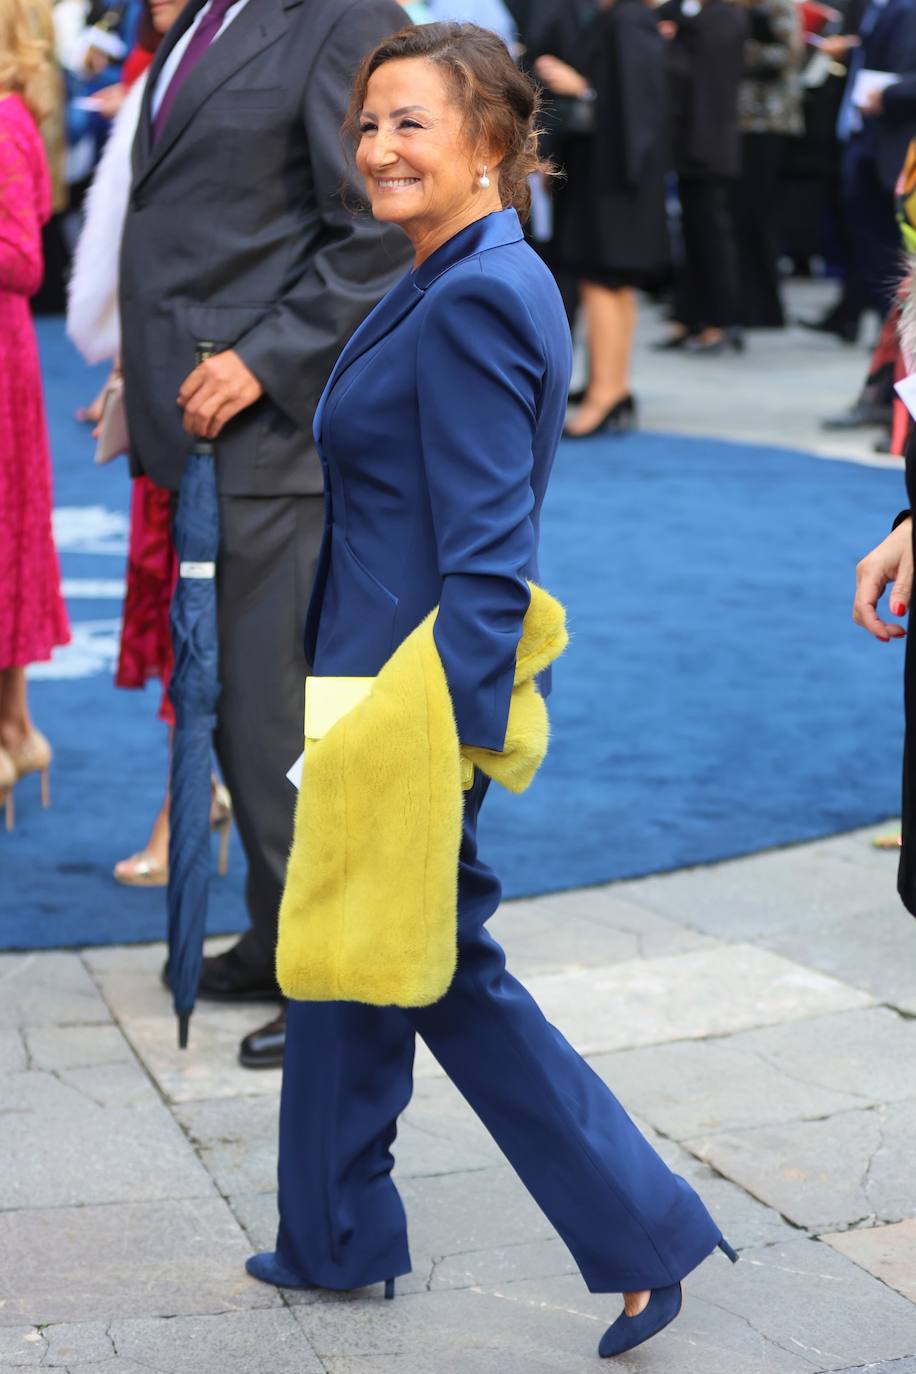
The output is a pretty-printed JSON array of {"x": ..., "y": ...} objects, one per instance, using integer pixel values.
[{"x": 499, "y": 104}]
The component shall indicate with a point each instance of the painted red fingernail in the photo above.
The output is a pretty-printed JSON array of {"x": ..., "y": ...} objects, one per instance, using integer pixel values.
[{"x": 899, "y": 609}]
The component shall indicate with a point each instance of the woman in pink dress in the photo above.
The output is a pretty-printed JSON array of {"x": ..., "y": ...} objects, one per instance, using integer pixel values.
[{"x": 32, "y": 615}]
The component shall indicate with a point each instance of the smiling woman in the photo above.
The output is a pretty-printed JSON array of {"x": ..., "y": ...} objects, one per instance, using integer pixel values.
[
  {"x": 454, "y": 389},
  {"x": 430, "y": 126}
]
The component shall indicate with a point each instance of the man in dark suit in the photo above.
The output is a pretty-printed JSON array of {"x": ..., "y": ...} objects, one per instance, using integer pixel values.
[
  {"x": 874, "y": 145},
  {"x": 239, "y": 233}
]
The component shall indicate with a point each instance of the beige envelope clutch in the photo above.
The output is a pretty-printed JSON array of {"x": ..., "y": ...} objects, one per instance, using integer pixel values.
[
  {"x": 113, "y": 438},
  {"x": 329, "y": 699}
]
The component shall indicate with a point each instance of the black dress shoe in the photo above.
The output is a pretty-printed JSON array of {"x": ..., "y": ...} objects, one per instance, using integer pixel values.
[
  {"x": 842, "y": 328},
  {"x": 230, "y": 978},
  {"x": 263, "y": 1048},
  {"x": 730, "y": 340},
  {"x": 862, "y": 414},
  {"x": 672, "y": 343}
]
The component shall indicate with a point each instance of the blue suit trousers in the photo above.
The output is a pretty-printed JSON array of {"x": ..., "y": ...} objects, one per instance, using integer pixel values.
[{"x": 629, "y": 1222}]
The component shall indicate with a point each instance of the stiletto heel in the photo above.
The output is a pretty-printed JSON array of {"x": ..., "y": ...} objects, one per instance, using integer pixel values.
[
  {"x": 728, "y": 1251},
  {"x": 32, "y": 755},
  {"x": 8, "y": 776},
  {"x": 389, "y": 1288},
  {"x": 225, "y": 833},
  {"x": 221, "y": 822}
]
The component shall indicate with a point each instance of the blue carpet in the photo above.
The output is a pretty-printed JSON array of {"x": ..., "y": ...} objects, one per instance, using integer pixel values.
[{"x": 715, "y": 700}]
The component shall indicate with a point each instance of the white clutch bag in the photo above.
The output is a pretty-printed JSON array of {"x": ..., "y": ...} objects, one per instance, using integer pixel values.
[{"x": 112, "y": 440}]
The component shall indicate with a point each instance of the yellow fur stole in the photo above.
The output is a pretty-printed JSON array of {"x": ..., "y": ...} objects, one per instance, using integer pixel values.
[{"x": 369, "y": 912}]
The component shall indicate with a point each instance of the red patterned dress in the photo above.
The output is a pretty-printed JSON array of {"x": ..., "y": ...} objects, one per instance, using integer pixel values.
[{"x": 33, "y": 618}]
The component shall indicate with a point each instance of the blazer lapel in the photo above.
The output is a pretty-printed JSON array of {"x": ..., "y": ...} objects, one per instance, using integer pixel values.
[
  {"x": 492, "y": 231},
  {"x": 143, "y": 144},
  {"x": 261, "y": 23},
  {"x": 389, "y": 312}
]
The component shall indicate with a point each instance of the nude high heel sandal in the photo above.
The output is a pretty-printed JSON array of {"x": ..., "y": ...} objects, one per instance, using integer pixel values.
[
  {"x": 8, "y": 776},
  {"x": 221, "y": 822},
  {"x": 32, "y": 755}
]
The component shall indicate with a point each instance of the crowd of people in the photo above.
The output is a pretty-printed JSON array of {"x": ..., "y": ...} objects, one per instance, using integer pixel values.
[{"x": 385, "y": 391}]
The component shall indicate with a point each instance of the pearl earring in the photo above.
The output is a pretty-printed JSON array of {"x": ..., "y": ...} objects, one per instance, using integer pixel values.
[{"x": 483, "y": 181}]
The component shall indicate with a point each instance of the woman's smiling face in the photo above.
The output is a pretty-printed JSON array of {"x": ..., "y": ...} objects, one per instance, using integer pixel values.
[{"x": 413, "y": 153}]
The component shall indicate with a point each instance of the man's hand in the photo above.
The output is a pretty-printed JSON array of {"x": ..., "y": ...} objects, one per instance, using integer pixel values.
[
  {"x": 215, "y": 392},
  {"x": 838, "y": 45},
  {"x": 891, "y": 561},
  {"x": 873, "y": 104},
  {"x": 109, "y": 99},
  {"x": 560, "y": 77}
]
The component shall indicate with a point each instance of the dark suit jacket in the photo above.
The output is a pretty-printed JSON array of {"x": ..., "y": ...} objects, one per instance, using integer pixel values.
[
  {"x": 705, "y": 67},
  {"x": 891, "y": 47},
  {"x": 237, "y": 233},
  {"x": 438, "y": 430}
]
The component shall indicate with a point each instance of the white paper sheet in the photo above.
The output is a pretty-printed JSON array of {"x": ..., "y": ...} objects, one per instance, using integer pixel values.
[
  {"x": 868, "y": 81},
  {"x": 906, "y": 390}
]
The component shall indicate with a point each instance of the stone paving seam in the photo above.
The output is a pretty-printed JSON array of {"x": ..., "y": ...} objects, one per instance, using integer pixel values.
[
  {"x": 875, "y": 1364},
  {"x": 879, "y": 1278},
  {"x": 902, "y": 1012},
  {"x": 881, "y": 1145},
  {"x": 796, "y": 1226},
  {"x": 812, "y": 1082},
  {"x": 766, "y": 1340}
]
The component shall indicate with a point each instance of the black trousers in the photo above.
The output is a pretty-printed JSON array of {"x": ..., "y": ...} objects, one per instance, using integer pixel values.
[
  {"x": 757, "y": 230},
  {"x": 876, "y": 258},
  {"x": 707, "y": 290},
  {"x": 268, "y": 554}
]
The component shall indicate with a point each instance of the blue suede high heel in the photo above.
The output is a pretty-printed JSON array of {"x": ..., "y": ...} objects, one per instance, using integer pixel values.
[
  {"x": 628, "y": 1332},
  {"x": 268, "y": 1269},
  {"x": 660, "y": 1311}
]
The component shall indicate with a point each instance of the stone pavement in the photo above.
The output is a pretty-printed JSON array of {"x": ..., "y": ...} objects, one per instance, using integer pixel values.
[{"x": 758, "y": 1017}]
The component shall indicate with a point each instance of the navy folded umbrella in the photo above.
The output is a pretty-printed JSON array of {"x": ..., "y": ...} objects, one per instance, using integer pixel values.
[{"x": 194, "y": 692}]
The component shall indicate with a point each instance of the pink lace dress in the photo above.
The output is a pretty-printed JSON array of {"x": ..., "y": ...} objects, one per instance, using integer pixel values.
[{"x": 32, "y": 614}]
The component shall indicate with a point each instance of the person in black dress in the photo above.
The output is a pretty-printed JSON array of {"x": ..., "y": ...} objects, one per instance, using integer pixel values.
[
  {"x": 610, "y": 230},
  {"x": 706, "y": 63}
]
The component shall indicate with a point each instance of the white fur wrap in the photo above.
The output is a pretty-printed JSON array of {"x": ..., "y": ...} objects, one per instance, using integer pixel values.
[{"x": 93, "y": 323}]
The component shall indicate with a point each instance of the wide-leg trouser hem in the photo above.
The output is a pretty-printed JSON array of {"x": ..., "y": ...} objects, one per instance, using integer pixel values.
[
  {"x": 638, "y": 1284},
  {"x": 333, "y": 1282}
]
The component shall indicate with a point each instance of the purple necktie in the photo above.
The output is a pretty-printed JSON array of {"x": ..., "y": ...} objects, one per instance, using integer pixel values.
[{"x": 203, "y": 36}]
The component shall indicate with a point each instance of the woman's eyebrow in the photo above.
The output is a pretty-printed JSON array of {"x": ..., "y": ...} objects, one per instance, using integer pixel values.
[{"x": 395, "y": 114}]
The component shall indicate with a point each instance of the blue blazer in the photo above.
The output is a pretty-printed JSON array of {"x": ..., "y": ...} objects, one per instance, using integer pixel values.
[{"x": 437, "y": 432}]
